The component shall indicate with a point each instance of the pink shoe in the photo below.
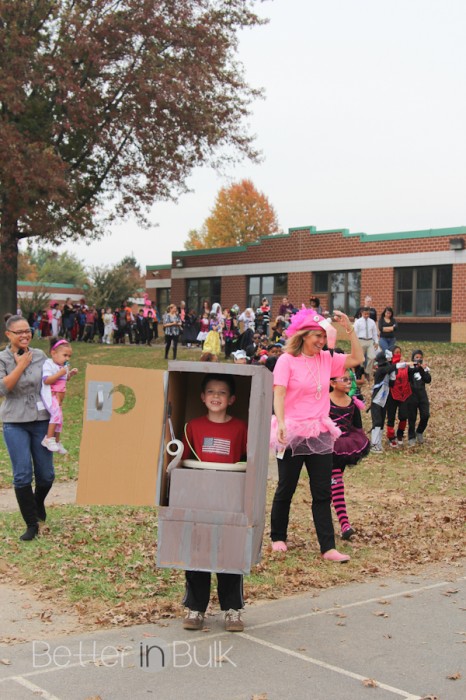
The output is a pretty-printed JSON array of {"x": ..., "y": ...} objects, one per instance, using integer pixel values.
[
  {"x": 279, "y": 546},
  {"x": 334, "y": 555}
]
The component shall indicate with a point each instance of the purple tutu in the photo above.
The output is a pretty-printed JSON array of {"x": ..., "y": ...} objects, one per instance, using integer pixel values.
[{"x": 349, "y": 449}]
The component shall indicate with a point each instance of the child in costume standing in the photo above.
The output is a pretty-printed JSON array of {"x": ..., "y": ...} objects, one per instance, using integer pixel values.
[
  {"x": 203, "y": 328},
  {"x": 55, "y": 374},
  {"x": 380, "y": 393},
  {"x": 419, "y": 377},
  {"x": 397, "y": 400},
  {"x": 213, "y": 340},
  {"x": 215, "y": 437},
  {"x": 350, "y": 447}
]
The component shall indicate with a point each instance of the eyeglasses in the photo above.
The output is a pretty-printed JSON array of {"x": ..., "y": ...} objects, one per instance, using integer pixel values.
[
  {"x": 25, "y": 332},
  {"x": 345, "y": 380}
]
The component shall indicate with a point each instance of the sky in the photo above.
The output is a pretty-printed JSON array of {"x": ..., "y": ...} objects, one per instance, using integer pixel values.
[{"x": 362, "y": 126}]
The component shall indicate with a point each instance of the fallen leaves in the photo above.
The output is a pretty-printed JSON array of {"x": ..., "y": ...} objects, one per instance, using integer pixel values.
[
  {"x": 46, "y": 616},
  {"x": 370, "y": 683},
  {"x": 454, "y": 676},
  {"x": 450, "y": 591},
  {"x": 4, "y": 567},
  {"x": 407, "y": 509}
]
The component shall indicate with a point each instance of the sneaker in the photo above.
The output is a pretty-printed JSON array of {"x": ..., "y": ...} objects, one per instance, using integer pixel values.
[
  {"x": 194, "y": 620},
  {"x": 61, "y": 450},
  {"x": 400, "y": 442},
  {"x": 233, "y": 621},
  {"x": 393, "y": 443},
  {"x": 347, "y": 534},
  {"x": 377, "y": 449},
  {"x": 50, "y": 444},
  {"x": 419, "y": 438},
  {"x": 412, "y": 442}
]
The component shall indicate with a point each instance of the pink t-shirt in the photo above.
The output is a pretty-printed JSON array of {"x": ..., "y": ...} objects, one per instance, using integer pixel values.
[{"x": 300, "y": 375}]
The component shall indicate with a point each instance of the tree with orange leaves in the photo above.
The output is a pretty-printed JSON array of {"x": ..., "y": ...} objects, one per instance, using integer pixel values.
[{"x": 241, "y": 215}]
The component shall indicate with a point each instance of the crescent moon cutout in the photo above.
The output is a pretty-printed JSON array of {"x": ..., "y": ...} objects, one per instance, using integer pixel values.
[{"x": 129, "y": 398}]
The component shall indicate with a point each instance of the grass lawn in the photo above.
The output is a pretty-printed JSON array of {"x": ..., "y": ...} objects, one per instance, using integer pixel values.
[{"x": 408, "y": 507}]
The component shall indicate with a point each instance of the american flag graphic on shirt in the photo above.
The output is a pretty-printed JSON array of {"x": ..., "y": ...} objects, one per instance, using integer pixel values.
[{"x": 216, "y": 446}]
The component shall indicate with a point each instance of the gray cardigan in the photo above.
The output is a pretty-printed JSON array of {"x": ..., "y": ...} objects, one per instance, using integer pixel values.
[{"x": 23, "y": 403}]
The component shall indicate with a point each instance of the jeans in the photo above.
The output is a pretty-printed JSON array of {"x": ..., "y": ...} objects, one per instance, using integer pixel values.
[
  {"x": 23, "y": 441},
  {"x": 387, "y": 343}
]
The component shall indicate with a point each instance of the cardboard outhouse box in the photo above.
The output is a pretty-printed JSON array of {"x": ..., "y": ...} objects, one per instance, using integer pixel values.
[{"x": 211, "y": 517}]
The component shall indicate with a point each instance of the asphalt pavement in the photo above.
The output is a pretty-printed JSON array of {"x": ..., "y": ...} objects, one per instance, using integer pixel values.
[{"x": 381, "y": 640}]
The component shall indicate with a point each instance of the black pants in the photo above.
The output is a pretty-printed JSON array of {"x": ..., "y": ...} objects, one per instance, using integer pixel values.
[
  {"x": 197, "y": 594},
  {"x": 168, "y": 341},
  {"x": 392, "y": 407},
  {"x": 378, "y": 415},
  {"x": 319, "y": 469},
  {"x": 148, "y": 332},
  {"x": 229, "y": 346},
  {"x": 418, "y": 402}
]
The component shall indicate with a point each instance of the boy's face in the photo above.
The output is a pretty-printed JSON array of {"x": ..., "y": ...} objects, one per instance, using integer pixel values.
[{"x": 217, "y": 396}]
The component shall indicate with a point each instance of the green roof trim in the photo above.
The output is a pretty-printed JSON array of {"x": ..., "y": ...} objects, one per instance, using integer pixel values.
[
  {"x": 209, "y": 251},
  {"x": 153, "y": 268},
  {"x": 50, "y": 284},
  {"x": 346, "y": 233},
  {"x": 311, "y": 229},
  {"x": 426, "y": 233}
]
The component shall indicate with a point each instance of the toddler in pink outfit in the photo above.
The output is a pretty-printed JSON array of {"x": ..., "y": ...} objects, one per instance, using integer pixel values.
[{"x": 55, "y": 374}]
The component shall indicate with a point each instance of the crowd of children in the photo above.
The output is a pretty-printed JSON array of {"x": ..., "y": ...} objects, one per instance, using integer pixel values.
[{"x": 80, "y": 322}]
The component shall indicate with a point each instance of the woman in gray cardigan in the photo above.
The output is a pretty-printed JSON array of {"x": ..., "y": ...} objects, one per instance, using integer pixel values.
[{"x": 25, "y": 422}]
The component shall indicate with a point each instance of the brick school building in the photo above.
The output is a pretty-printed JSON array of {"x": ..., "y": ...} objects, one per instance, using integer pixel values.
[{"x": 421, "y": 274}]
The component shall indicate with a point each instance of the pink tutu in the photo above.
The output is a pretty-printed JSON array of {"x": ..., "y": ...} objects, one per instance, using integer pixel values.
[{"x": 314, "y": 436}]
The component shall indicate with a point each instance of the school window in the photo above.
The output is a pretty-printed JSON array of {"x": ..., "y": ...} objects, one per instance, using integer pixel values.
[
  {"x": 163, "y": 299},
  {"x": 266, "y": 286},
  {"x": 343, "y": 289},
  {"x": 202, "y": 289},
  {"x": 423, "y": 291}
]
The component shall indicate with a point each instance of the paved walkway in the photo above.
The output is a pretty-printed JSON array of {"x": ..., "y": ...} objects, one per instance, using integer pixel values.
[{"x": 385, "y": 639}]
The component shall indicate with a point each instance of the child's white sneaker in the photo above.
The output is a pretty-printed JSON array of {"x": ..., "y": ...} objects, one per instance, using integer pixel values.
[
  {"x": 61, "y": 450},
  {"x": 50, "y": 444}
]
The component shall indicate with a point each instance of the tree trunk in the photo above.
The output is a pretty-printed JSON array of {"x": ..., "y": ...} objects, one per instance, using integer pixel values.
[{"x": 8, "y": 271}]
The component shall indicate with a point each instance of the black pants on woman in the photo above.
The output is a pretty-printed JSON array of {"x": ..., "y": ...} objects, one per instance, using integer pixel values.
[
  {"x": 168, "y": 342},
  {"x": 319, "y": 469}
]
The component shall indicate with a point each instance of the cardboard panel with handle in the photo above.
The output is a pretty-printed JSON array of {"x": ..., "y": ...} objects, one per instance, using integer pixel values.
[{"x": 122, "y": 432}]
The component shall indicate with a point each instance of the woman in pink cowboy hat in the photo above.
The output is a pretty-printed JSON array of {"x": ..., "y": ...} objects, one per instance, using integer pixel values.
[{"x": 302, "y": 431}]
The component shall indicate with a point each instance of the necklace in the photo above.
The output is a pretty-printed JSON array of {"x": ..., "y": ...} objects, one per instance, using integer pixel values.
[{"x": 315, "y": 377}]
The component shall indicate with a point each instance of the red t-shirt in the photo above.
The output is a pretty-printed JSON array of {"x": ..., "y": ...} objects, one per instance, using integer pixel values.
[{"x": 216, "y": 442}]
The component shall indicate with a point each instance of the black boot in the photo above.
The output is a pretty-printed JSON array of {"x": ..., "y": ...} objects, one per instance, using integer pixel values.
[
  {"x": 28, "y": 508},
  {"x": 40, "y": 495}
]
